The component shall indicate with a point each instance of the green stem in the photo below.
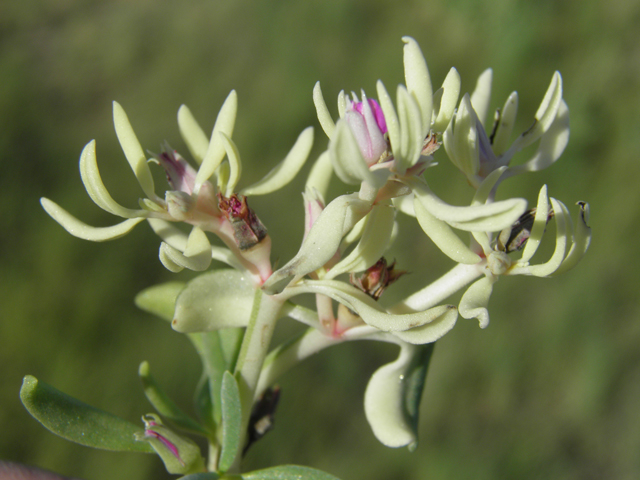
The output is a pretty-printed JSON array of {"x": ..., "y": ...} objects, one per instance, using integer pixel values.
[{"x": 255, "y": 345}]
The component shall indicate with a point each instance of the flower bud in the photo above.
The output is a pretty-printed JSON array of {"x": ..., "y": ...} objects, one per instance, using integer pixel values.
[
  {"x": 376, "y": 279},
  {"x": 179, "y": 454}
]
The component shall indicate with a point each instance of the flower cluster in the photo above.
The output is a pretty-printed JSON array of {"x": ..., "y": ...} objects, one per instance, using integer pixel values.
[{"x": 384, "y": 148}]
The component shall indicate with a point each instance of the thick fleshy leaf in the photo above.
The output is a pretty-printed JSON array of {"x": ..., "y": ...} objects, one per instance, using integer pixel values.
[
  {"x": 216, "y": 151},
  {"x": 475, "y": 300},
  {"x": 195, "y": 138},
  {"x": 231, "y": 421},
  {"x": 323, "y": 241},
  {"x": 392, "y": 397},
  {"x": 160, "y": 299},
  {"x": 375, "y": 240},
  {"x": 164, "y": 405},
  {"x": 490, "y": 217},
  {"x": 448, "y": 101},
  {"x": 288, "y": 472},
  {"x": 443, "y": 236},
  {"x": 78, "y": 422},
  {"x": 286, "y": 170},
  {"x": 369, "y": 310},
  {"x": 96, "y": 189},
  {"x": 133, "y": 150},
  {"x": 481, "y": 96},
  {"x": 581, "y": 240},
  {"x": 219, "y": 299},
  {"x": 502, "y": 136},
  {"x": 81, "y": 230},
  {"x": 324, "y": 117},
  {"x": 418, "y": 81}
]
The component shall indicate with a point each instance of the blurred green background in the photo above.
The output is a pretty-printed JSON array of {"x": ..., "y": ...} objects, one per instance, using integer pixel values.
[{"x": 551, "y": 389}]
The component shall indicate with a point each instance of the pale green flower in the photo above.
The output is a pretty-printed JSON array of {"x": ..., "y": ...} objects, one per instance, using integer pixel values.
[
  {"x": 196, "y": 197},
  {"x": 477, "y": 153}
]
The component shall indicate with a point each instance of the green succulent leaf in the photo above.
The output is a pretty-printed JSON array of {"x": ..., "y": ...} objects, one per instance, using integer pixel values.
[
  {"x": 78, "y": 422},
  {"x": 214, "y": 300},
  {"x": 231, "y": 421},
  {"x": 164, "y": 405},
  {"x": 288, "y": 472},
  {"x": 160, "y": 299}
]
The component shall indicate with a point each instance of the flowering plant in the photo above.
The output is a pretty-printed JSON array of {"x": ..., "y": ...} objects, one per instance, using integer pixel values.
[{"x": 386, "y": 149}]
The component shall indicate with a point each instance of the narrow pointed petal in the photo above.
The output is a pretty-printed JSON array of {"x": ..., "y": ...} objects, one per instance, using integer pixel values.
[
  {"x": 369, "y": 310},
  {"x": 81, "y": 230},
  {"x": 484, "y": 189},
  {"x": 539, "y": 226},
  {"x": 390, "y": 116},
  {"x": 545, "y": 115},
  {"x": 96, "y": 189},
  {"x": 416, "y": 75},
  {"x": 461, "y": 139},
  {"x": 324, "y": 117},
  {"x": 581, "y": 240},
  {"x": 374, "y": 242},
  {"x": 322, "y": 242},
  {"x": 192, "y": 134},
  {"x": 432, "y": 331},
  {"x": 502, "y": 137},
  {"x": 216, "y": 151},
  {"x": 411, "y": 131},
  {"x": 445, "y": 239},
  {"x": 450, "y": 94},
  {"x": 549, "y": 267},
  {"x": 320, "y": 174},
  {"x": 490, "y": 217},
  {"x": 196, "y": 256},
  {"x": 286, "y": 170},
  {"x": 475, "y": 301},
  {"x": 235, "y": 166},
  {"x": 481, "y": 96},
  {"x": 552, "y": 144},
  {"x": 178, "y": 240},
  {"x": 133, "y": 150},
  {"x": 342, "y": 103}
]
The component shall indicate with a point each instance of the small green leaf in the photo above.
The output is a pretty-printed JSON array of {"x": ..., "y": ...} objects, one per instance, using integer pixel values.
[
  {"x": 415, "y": 381},
  {"x": 78, "y": 422},
  {"x": 231, "y": 421},
  {"x": 214, "y": 300},
  {"x": 288, "y": 472},
  {"x": 164, "y": 405},
  {"x": 160, "y": 299}
]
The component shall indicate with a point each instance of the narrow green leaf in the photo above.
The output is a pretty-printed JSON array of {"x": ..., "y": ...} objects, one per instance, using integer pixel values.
[
  {"x": 78, "y": 422},
  {"x": 160, "y": 299},
  {"x": 231, "y": 421},
  {"x": 288, "y": 472},
  {"x": 164, "y": 405},
  {"x": 415, "y": 380}
]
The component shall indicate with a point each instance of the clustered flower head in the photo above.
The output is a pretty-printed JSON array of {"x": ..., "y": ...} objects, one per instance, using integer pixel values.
[{"x": 385, "y": 149}]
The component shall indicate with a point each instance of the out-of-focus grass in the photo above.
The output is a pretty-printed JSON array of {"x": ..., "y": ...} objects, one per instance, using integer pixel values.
[{"x": 549, "y": 390}]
